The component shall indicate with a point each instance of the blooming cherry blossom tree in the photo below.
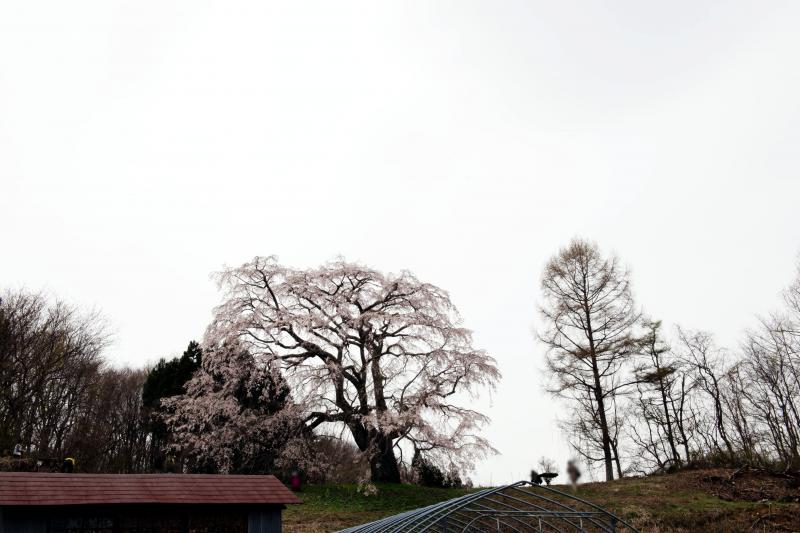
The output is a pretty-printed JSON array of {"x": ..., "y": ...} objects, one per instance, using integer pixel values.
[
  {"x": 382, "y": 355},
  {"x": 236, "y": 417}
]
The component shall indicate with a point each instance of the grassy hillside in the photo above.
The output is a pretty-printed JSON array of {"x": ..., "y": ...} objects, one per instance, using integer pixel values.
[
  {"x": 701, "y": 500},
  {"x": 333, "y": 507}
]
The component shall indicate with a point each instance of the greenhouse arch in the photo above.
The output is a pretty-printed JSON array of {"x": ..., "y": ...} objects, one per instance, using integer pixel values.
[{"x": 521, "y": 507}]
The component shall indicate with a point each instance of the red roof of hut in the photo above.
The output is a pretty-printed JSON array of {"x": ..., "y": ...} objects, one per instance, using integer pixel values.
[{"x": 29, "y": 488}]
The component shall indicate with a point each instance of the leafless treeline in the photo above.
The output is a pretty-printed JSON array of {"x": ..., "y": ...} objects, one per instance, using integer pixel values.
[
  {"x": 57, "y": 395},
  {"x": 645, "y": 400},
  {"x": 697, "y": 402}
]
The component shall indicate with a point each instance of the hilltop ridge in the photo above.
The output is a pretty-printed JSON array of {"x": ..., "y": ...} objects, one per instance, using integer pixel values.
[{"x": 713, "y": 500}]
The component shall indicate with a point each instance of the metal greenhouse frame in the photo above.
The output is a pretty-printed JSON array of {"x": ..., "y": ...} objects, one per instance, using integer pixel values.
[{"x": 520, "y": 507}]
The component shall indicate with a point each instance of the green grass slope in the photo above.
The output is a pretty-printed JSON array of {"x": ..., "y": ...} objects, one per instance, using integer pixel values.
[{"x": 333, "y": 507}]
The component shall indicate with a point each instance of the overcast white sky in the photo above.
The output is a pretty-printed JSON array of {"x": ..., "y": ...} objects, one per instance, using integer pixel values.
[{"x": 145, "y": 144}]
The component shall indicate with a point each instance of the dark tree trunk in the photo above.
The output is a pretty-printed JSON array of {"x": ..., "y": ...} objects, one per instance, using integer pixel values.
[
  {"x": 383, "y": 463},
  {"x": 598, "y": 394},
  {"x": 601, "y": 408},
  {"x": 679, "y": 420},
  {"x": 616, "y": 458},
  {"x": 670, "y": 438}
]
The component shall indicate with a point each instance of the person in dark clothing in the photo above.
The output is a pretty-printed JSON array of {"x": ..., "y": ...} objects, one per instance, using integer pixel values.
[{"x": 573, "y": 473}]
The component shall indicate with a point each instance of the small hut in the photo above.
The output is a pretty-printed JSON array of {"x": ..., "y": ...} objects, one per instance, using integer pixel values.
[{"x": 138, "y": 503}]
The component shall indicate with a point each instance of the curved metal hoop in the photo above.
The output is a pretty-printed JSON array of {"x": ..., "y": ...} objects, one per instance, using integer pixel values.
[{"x": 519, "y": 507}]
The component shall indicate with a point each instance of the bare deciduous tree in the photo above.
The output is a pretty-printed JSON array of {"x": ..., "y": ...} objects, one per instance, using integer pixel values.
[
  {"x": 546, "y": 464},
  {"x": 589, "y": 331},
  {"x": 656, "y": 374},
  {"x": 49, "y": 356},
  {"x": 383, "y": 355},
  {"x": 110, "y": 433},
  {"x": 708, "y": 366},
  {"x": 772, "y": 367}
]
